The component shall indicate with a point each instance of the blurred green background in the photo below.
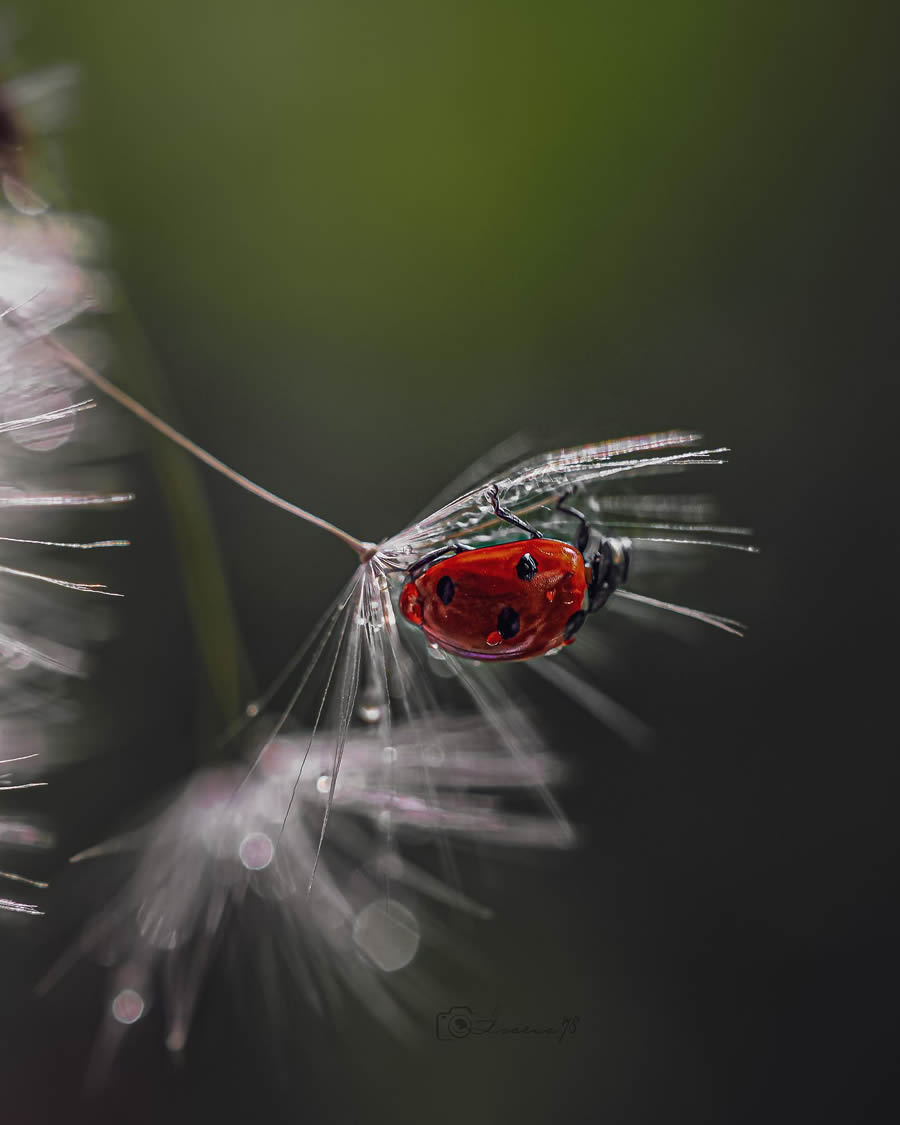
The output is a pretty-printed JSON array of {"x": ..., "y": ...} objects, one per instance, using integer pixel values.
[{"x": 365, "y": 243}]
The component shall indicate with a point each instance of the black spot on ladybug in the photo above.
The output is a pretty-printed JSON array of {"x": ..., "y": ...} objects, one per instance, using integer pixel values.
[
  {"x": 507, "y": 623},
  {"x": 574, "y": 624},
  {"x": 446, "y": 589},
  {"x": 526, "y": 568}
]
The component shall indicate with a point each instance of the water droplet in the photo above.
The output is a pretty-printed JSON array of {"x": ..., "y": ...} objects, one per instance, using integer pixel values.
[
  {"x": 17, "y": 662},
  {"x": 323, "y": 784},
  {"x": 441, "y": 665},
  {"x": 369, "y": 712},
  {"x": 20, "y": 196},
  {"x": 390, "y": 753},
  {"x": 36, "y": 401},
  {"x": 128, "y": 1006},
  {"x": 256, "y": 851},
  {"x": 493, "y": 638},
  {"x": 387, "y": 934}
]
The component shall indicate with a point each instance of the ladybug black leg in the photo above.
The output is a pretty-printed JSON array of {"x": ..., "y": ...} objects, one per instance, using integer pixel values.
[
  {"x": 581, "y": 539},
  {"x": 508, "y": 517},
  {"x": 454, "y": 547}
]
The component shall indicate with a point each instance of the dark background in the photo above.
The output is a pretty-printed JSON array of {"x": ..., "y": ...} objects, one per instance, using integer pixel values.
[{"x": 366, "y": 242}]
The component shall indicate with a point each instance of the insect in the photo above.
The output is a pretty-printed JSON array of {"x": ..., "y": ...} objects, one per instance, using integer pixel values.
[{"x": 513, "y": 601}]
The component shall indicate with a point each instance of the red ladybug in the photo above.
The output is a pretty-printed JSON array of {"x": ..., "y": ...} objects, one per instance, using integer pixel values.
[{"x": 515, "y": 600}]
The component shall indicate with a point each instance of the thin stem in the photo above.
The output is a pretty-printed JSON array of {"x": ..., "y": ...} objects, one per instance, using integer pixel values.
[{"x": 87, "y": 372}]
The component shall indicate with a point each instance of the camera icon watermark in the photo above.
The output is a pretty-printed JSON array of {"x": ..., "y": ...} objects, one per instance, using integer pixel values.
[{"x": 460, "y": 1022}]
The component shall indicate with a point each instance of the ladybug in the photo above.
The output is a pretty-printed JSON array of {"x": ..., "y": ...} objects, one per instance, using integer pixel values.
[{"x": 515, "y": 600}]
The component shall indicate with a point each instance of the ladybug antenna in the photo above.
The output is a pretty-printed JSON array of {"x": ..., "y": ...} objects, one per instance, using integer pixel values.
[{"x": 72, "y": 361}]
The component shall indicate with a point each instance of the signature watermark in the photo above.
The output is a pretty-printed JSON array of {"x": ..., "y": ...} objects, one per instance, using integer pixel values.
[{"x": 460, "y": 1022}]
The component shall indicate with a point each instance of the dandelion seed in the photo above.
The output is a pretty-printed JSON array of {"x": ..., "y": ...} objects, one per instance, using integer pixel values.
[
  {"x": 47, "y": 280},
  {"x": 407, "y": 734},
  {"x": 222, "y": 839}
]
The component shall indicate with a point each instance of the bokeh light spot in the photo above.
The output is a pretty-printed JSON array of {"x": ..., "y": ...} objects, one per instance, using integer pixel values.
[
  {"x": 387, "y": 933},
  {"x": 128, "y": 1006},
  {"x": 256, "y": 851}
]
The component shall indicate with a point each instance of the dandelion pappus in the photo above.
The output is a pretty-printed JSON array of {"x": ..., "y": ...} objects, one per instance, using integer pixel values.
[
  {"x": 49, "y": 275},
  {"x": 545, "y": 578},
  {"x": 384, "y": 739},
  {"x": 513, "y": 601}
]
